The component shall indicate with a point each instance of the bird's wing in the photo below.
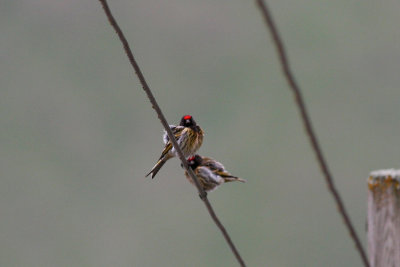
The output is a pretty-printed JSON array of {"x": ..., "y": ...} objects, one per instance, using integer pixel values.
[
  {"x": 167, "y": 148},
  {"x": 225, "y": 174},
  {"x": 208, "y": 175},
  {"x": 217, "y": 168},
  {"x": 213, "y": 165},
  {"x": 182, "y": 134},
  {"x": 173, "y": 129},
  {"x": 177, "y": 131}
]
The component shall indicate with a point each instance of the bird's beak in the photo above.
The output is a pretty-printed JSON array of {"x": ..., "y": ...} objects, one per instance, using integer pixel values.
[{"x": 187, "y": 121}]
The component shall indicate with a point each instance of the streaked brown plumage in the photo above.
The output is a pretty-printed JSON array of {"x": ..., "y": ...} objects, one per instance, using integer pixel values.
[
  {"x": 209, "y": 172},
  {"x": 189, "y": 137}
]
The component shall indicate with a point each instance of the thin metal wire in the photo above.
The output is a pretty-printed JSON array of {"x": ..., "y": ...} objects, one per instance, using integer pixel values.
[
  {"x": 146, "y": 88},
  {"x": 309, "y": 129}
]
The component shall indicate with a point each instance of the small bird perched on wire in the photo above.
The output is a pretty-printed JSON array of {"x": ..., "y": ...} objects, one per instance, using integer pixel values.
[
  {"x": 209, "y": 172},
  {"x": 189, "y": 137}
]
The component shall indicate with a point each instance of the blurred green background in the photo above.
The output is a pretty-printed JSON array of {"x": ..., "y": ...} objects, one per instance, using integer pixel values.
[{"x": 78, "y": 133}]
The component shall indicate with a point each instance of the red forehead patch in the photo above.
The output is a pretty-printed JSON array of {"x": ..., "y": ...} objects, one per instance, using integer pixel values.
[
  {"x": 187, "y": 117},
  {"x": 191, "y": 158}
]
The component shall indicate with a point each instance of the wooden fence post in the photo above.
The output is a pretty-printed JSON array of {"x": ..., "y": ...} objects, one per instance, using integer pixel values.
[{"x": 384, "y": 218}]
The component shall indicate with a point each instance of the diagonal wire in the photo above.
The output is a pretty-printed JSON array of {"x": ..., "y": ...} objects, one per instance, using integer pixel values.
[
  {"x": 146, "y": 88},
  {"x": 308, "y": 127}
]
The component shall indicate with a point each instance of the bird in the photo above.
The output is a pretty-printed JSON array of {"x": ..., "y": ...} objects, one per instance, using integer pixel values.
[
  {"x": 189, "y": 136},
  {"x": 209, "y": 172}
]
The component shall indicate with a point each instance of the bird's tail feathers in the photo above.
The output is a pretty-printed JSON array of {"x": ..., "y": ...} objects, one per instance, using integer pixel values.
[
  {"x": 233, "y": 179},
  {"x": 158, "y": 166}
]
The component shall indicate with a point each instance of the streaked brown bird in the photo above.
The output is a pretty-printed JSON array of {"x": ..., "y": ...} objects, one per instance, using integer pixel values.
[
  {"x": 189, "y": 137},
  {"x": 209, "y": 172}
]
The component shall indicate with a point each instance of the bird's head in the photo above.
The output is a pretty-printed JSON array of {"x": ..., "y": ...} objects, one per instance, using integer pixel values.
[
  {"x": 187, "y": 121},
  {"x": 194, "y": 161}
]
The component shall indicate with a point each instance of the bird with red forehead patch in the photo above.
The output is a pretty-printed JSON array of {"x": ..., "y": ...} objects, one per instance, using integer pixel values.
[
  {"x": 189, "y": 137},
  {"x": 209, "y": 172}
]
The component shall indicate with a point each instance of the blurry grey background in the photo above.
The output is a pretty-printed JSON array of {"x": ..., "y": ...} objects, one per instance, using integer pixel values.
[{"x": 77, "y": 133}]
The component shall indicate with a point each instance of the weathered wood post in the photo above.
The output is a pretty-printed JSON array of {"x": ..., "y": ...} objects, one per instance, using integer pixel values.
[{"x": 384, "y": 218}]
